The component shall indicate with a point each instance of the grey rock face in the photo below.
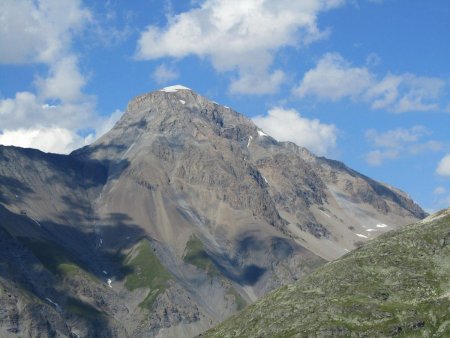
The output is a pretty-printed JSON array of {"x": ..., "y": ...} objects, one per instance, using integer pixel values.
[{"x": 179, "y": 216}]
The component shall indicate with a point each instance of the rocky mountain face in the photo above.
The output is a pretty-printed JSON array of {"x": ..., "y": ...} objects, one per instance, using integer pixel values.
[
  {"x": 182, "y": 214},
  {"x": 395, "y": 285}
]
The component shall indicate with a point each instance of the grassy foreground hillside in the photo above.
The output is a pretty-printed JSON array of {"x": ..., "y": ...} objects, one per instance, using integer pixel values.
[{"x": 396, "y": 285}]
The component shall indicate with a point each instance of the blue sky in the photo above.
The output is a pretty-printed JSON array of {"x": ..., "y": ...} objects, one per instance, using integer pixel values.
[{"x": 366, "y": 82}]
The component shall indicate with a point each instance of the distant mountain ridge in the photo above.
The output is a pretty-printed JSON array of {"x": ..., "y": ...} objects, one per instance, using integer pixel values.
[{"x": 179, "y": 216}]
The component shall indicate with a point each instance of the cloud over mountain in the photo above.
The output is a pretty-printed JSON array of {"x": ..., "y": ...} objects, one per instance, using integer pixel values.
[
  {"x": 241, "y": 36},
  {"x": 51, "y": 115},
  {"x": 289, "y": 125}
]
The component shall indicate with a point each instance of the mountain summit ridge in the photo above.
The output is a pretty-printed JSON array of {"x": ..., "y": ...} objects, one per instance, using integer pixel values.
[
  {"x": 179, "y": 117},
  {"x": 181, "y": 214}
]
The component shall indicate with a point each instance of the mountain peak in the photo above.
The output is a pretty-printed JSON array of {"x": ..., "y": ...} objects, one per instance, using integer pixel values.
[
  {"x": 180, "y": 110},
  {"x": 180, "y": 186}
]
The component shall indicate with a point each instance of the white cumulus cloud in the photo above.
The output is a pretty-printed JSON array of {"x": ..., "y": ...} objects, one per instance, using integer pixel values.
[
  {"x": 334, "y": 78},
  {"x": 47, "y": 139},
  {"x": 443, "y": 168},
  {"x": 65, "y": 82},
  {"x": 38, "y": 31},
  {"x": 26, "y": 110},
  {"x": 392, "y": 143},
  {"x": 405, "y": 92},
  {"x": 49, "y": 117},
  {"x": 289, "y": 125},
  {"x": 236, "y": 35}
]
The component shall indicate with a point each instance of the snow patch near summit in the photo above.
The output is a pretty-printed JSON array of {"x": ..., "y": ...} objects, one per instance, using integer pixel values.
[{"x": 174, "y": 89}]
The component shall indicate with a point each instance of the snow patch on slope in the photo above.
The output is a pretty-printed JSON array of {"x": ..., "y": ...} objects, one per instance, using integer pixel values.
[
  {"x": 261, "y": 133},
  {"x": 250, "y": 138},
  {"x": 54, "y": 304},
  {"x": 323, "y": 212}
]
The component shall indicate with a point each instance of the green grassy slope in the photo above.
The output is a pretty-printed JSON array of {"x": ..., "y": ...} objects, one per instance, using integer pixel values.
[
  {"x": 145, "y": 271},
  {"x": 396, "y": 285}
]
